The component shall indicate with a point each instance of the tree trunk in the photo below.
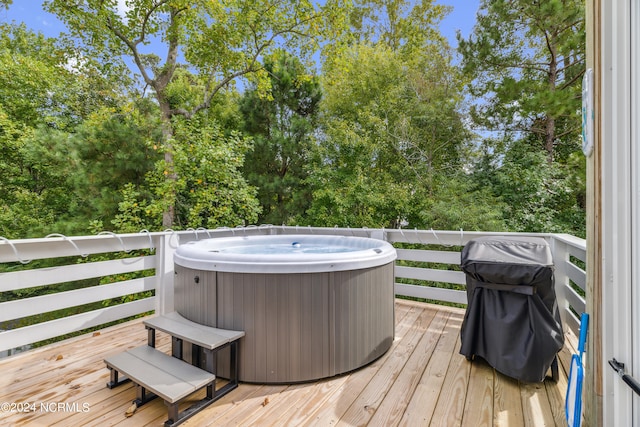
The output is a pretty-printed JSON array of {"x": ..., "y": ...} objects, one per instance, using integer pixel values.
[
  {"x": 168, "y": 216},
  {"x": 550, "y": 127},
  {"x": 550, "y": 136}
]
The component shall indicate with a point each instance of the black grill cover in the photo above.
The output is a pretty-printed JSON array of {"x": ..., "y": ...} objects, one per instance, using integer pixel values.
[{"x": 512, "y": 319}]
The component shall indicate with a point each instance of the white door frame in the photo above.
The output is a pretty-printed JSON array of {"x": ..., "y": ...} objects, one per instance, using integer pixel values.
[
  {"x": 617, "y": 172},
  {"x": 635, "y": 208}
]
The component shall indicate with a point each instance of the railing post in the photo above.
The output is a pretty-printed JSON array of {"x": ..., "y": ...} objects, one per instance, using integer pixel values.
[
  {"x": 378, "y": 234},
  {"x": 560, "y": 259},
  {"x": 168, "y": 242}
]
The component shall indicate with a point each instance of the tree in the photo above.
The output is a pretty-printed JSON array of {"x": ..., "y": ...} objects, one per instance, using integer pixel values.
[
  {"x": 536, "y": 196},
  {"x": 17, "y": 211},
  {"x": 211, "y": 188},
  {"x": 526, "y": 60},
  {"x": 218, "y": 42},
  {"x": 209, "y": 191},
  {"x": 42, "y": 98},
  {"x": 43, "y": 83},
  {"x": 282, "y": 127},
  {"x": 391, "y": 125},
  {"x": 111, "y": 149},
  {"x": 406, "y": 27}
]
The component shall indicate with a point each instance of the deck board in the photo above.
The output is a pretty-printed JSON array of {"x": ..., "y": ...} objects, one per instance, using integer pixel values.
[
  {"x": 507, "y": 405},
  {"x": 422, "y": 380},
  {"x": 421, "y": 406},
  {"x": 479, "y": 401}
]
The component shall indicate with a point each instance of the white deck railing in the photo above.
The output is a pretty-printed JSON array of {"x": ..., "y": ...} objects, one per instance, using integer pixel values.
[{"x": 427, "y": 267}]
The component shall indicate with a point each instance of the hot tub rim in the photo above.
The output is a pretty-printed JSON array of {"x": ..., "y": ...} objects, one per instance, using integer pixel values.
[{"x": 371, "y": 253}]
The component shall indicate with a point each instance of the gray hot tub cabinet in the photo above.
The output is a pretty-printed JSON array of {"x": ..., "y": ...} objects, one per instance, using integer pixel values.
[{"x": 299, "y": 326}]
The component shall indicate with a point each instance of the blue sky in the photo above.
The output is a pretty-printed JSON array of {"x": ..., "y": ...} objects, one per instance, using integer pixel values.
[
  {"x": 462, "y": 18},
  {"x": 30, "y": 12}
]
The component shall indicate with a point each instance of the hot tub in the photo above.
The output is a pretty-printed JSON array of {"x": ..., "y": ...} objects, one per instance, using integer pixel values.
[{"x": 311, "y": 306}]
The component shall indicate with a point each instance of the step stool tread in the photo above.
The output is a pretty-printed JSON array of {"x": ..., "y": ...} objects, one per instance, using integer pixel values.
[
  {"x": 205, "y": 336},
  {"x": 168, "y": 377}
]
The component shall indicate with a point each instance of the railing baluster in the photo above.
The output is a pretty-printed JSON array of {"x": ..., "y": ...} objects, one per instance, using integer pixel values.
[{"x": 165, "y": 272}]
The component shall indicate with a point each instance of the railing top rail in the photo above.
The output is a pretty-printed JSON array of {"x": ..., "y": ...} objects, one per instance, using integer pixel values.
[
  {"x": 24, "y": 250},
  {"x": 571, "y": 240},
  {"x": 447, "y": 237}
]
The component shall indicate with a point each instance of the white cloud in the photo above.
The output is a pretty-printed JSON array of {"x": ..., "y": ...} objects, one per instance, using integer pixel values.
[
  {"x": 73, "y": 65},
  {"x": 122, "y": 8}
]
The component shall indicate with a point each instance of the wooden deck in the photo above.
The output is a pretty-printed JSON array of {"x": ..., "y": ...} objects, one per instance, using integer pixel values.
[{"x": 422, "y": 380}]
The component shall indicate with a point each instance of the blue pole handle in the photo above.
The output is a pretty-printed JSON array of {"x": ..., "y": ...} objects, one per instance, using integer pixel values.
[{"x": 584, "y": 325}]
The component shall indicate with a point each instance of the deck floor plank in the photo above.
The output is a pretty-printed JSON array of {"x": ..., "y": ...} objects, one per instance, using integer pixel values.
[
  {"x": 422, "y": 380},
  {"x": 507, "y": 405},
  {"x": 391, "y": 409},
  {"x": 281, "y": 405},
  {"x": 535, "y": 406},
  {"x": 228, "y": 403},
  {"x": 328, "y": 410},
  {"x": 453, "y": 394},
  {"x": 556, "y": 392},
  {"x": 478, "y": 409},
  {"x": 368, "y": 401},
  {"x": 420, "y": 408}
]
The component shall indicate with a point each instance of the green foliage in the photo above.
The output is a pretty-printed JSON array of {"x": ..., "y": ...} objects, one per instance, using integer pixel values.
[
  {"x": 219, "y": 42},
  {"x": 282, "y": 127},
  {"x": 35, "y": 194},
  {"x": 113, "y": 151},
  {"x": 405, "y": 27},
  {"x": 107, "y": 152},
  {"x": 212, "y": 191},
  {"x": 379, "y": 140},
  {"x": 455, "y": 203},
  {"x": 24, "y": 214},
  {"x": 526, "y": 60},
  {"x": 537, "y": 196},
  {"x": 43, "y": 82},
  {"x": 31, "y": 75},
  {"x": 135, "y": 212},
  {"x": 352, "y": 183},
  {"x": 391, "y": 130},
  {"x": 43, "y": 97}
]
